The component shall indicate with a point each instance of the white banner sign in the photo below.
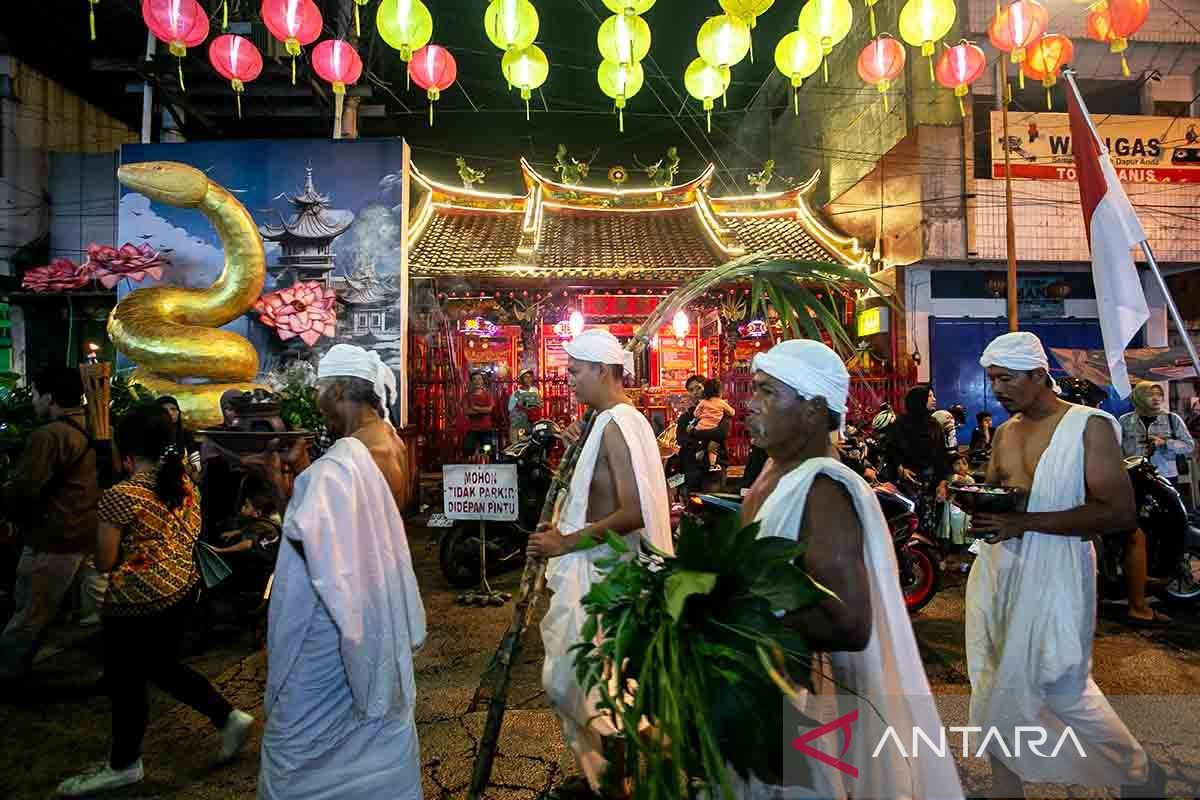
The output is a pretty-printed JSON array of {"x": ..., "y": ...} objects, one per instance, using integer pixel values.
[{"x": 480, "y": 491}]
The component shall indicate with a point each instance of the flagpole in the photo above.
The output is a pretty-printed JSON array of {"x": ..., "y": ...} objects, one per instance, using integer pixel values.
[
  {"x": 1172, "y": 309},
  {"x": 1010, "y": 228}
]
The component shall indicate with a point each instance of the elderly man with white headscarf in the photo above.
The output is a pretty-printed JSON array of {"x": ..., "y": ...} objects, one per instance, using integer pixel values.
[
  {"x": 619, "y": 486},
  {"x": 1031, "y": 596},
  {"x": 346, "y": 614},
  {"x": 804, "y": 493}
]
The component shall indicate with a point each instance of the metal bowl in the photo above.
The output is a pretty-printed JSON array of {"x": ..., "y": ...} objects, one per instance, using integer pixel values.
[{"x": 987, "y": 498}]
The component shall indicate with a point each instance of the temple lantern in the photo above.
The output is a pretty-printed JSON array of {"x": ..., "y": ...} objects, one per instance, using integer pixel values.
[
  {"x": 1014, "y": 29},
  {"x": 1046, "y": 57},
  {"x": 296, "y": 23},
  {"x": 620, "y": 82},
  {"x": 748, "y": 11},
  {"x": 434, "y": 69},
  {"x": 723, "y": 41},
  {"x": 797, "y": 56},
  {"x": 959, "y": 67},
  {"x": 406, "y": 25},
  {"x": 338, "y": 63},
  {"x": 629, "y": 7},
  {"x": 1098, "y": 25},
  {"x": 1125, "y": 18},
  {"x": 623, "y": 39},
  {"x": 923, "y": 23},
  {"x": 527, "y": 70},
  {"x": 829, "y": 21},
  {"x": 706, "y": 83},
  {"x": 511, "y": 24},
  {"x": 880, "y": 62},
  {"x": 178, "y": 23},
  {"x": 237, "y": 60}
]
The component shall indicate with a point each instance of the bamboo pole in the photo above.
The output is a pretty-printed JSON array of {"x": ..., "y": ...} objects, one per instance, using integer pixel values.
[{"x": 1009, "y": 225}]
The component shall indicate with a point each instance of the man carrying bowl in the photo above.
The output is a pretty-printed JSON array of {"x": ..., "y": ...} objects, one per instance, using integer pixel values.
[{"x": 1031, "y": 596}]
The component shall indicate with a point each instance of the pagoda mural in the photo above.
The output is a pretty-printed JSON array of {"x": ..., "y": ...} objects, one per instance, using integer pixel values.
[{"x": 306, "y": 240}]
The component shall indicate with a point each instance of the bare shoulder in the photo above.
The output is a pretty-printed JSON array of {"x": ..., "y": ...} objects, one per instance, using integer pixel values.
[
  {"x": 829, "y": 505},
  {"x": 615, "y": 446},
  {"x": 1101, "y": 433}
]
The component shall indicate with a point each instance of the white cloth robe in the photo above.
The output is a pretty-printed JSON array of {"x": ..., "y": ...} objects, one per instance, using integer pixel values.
[
  {"x": 571, "y": 576},
  {"x": 1030, "y": 621},
  {"x": 888, "y": 672},
  {"x": 345, "y": 619}
]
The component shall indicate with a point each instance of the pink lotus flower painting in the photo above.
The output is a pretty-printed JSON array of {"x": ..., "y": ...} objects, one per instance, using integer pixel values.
[
  {"x": 112, "y": 264},
  {"x": 305, "y": 310},
  {"x": 60, "y": 275}
]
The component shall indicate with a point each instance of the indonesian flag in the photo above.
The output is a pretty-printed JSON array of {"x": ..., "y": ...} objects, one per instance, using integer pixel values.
[{"x": 1112, "y": 230}]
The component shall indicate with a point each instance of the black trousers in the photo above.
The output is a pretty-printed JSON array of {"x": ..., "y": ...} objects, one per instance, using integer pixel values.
[{"x": 139, "y": 651}]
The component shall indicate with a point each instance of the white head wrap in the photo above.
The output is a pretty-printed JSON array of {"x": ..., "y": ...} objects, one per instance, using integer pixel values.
[
  {"x": 599, "y": 346},
  {"x": 809, "y": 367},
  {"x": 1021, "y": 352},
  {"x": 349, "y": 361}
]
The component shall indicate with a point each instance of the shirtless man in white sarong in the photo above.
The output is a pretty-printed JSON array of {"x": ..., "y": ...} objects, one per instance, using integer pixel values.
[
  {"x": 1031, "y": 596},
  {"x": 805, "y": 493},
  {"x": 346, "y": 614},
  {"x": 618, "y": 485}
]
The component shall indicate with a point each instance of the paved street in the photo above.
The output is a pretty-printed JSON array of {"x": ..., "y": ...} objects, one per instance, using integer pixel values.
[{"x": 60, "y": 723}]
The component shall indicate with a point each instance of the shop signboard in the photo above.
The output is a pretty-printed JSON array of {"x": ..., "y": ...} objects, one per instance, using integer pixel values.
[
  {"x": 873, "y": 321},
  {"x": 1033, "y": 302},
  {"x": 480, "y": 491},
  {"x": 677, "y": 360},
  {"x": 1143, "y": 149}
]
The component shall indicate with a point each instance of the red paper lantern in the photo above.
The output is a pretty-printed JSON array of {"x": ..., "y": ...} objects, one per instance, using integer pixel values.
[
  {"x": 337, "y": 62},
  {"x": 959, "y": 67},
  {"x": 179, "y": 23},
  {"x": 1015, "y": 28},
  {"x": 236, "y": 59},
  {"x": 296, "y": 23},
  {"x": 880, "y": 62},
  {"x": 1046, "y": 58},
  {"x": 1125, "y": 18},
  {"x": 1099, "y": 25},
  {"x": 434, "y": 69}
]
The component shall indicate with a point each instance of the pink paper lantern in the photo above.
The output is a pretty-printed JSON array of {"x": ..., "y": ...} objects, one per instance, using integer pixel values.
[
  {"x": 237, "y": 60},
  {"x": 434, "y": 69},
  {"x": 180, "y": 24}
]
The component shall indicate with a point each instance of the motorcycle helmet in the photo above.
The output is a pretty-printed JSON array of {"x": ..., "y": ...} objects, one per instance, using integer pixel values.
[{"x": 884, "y": 418}]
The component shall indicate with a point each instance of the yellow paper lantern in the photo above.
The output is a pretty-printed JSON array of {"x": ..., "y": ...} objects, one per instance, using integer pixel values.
[
  {"x": 797, "y": 56},
  {"x": 620, "y": 82},
  {"x": 723, "y": 41},
  {"x": 624, "y": 39},
  {"x": 706, "y": 83},
  {"x": 924, "y": 22},
  {"x": 405, "y": 25},
  {"x": 829, "y": 21},
  {"x": 749, "y": 11},
  {"x": 629, "y": 7},
  {"x": 526, "y": 69},
  {"x": 511, "y": 24}
]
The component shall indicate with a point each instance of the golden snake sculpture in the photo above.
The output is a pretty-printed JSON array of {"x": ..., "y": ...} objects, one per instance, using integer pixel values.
[{"x": 172, "y": 333}]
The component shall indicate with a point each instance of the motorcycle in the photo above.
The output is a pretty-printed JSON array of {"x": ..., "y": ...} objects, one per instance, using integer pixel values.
[
  {"x": 916, "y": 554},
  {"x": 459, "y": 545}
]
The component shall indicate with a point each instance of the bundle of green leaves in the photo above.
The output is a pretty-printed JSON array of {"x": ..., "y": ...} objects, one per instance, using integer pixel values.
[{"x": 688, "y": 655}]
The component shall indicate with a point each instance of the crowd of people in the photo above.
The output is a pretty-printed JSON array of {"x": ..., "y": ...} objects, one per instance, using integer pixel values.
[{"x": 346, "y": 614}]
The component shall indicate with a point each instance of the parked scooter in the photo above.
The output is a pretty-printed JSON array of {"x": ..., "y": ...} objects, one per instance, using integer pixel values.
[{"x": 458, "y": 549}]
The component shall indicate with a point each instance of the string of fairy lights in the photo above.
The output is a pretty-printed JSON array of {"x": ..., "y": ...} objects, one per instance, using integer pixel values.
[{"x": 723, "y": 41}]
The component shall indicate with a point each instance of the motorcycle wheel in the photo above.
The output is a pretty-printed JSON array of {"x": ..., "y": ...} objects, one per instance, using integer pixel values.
[
  {"x": 920, "y": 577},
  {"x": 1184, "y": 585},
  {"x": 458, "y": 556}
]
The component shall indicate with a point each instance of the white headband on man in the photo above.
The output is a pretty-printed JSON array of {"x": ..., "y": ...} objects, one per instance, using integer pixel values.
[
  {"x": 349, "y": 361},
  {"x": 1021, "y": 352},
  {"x": 600, "y": 347},
  {"x": 809, "y": 367}
]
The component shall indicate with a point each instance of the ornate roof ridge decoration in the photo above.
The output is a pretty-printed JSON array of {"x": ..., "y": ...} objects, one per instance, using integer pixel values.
[{"x": 605, "y": 198}]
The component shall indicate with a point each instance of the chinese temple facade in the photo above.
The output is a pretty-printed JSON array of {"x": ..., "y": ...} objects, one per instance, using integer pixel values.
[{"x": 513, "y": 275}]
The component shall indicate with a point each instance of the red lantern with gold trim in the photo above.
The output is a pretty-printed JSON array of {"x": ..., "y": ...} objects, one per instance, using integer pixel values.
[
  {"x": 236, "y": 59},
  {"x": 338, "y": 63},
  {"x": 1125, "y": 18},
  {"x": 880, "y": 62},
  {"x": 296, "y": 23},
  {"x": 1016, "y": 28},
  {"x": 960, "y": 66},
  {"x": 1050, "y": 54},
  {"x": 434, "y": 69},
  {"x": 179, "y": 23}
]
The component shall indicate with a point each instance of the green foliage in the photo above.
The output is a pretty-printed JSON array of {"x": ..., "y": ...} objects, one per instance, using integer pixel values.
[
  {"x": 125, "y": 395},
  {"x": 680, "y": 644}
]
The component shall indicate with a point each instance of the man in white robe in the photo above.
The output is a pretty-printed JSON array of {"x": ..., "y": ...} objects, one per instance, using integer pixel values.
[
  {"x": 345, "y": 615},
  {"x": 1031, "y": 595},
  {"x": 805, "y": 493},
  {"x": 618, "y": 486}
]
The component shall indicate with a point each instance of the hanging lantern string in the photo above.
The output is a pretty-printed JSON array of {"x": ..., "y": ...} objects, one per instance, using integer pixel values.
[
  {"x": 238, "y": 88},
  {"x": 92, "y": 20},
  {"x": 225, "y": 15}
]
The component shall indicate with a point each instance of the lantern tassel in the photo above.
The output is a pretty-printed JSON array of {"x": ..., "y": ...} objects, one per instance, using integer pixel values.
[
  {"x": 620, "y": 120},
  {"x": 224, "y": 15},
  {"x": 825, "y": 69},
  {"x": 179, "y": 62},
  {"x": 751, "y": 49},
  {"x": 962, "y": 109},
  {"x": 796, "y": 101},
  {"x": 710, "y": 120},
  {"x": 92, "y": 19},
  {"x": 357, "y": 24},
  {"x": 339, "y": 95},
  {"x": 1021, "y": 78},
  {"x": 1124, "y": 65},
  {"x": 871, "y": 16},
  {"x": 932, "y": 78},
  {"x": 527, "y": 109},
  {"x": 886, "y": 110},
  {"x": 293, "y": 70},
  {"x": 1049, "y": 105},
  {"x": 238, "y": 95}
]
